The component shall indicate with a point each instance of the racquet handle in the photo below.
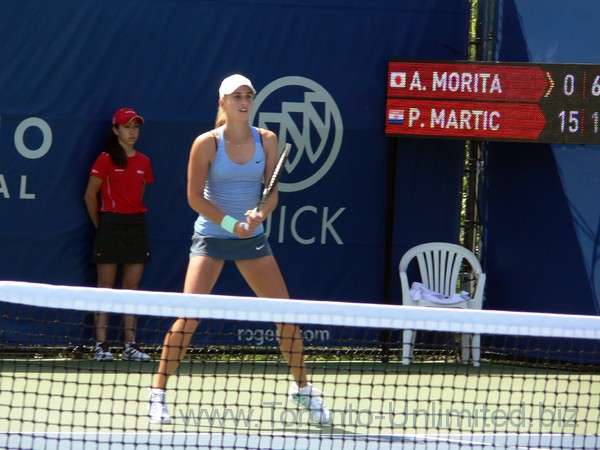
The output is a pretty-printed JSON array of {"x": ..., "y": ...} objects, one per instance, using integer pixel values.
[{"x": 245, "y": 224}]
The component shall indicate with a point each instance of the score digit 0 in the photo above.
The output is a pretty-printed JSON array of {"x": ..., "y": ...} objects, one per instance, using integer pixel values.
[{"x": 569, "y": 84}]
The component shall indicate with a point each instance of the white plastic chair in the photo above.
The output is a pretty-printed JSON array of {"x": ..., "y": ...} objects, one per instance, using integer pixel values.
[{"x": 441, "y": 267}]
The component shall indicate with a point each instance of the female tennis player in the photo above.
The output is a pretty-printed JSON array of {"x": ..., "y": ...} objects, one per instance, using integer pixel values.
[
  {"x": 120, "y": 175},
  {"x": 226, "y": 169}
]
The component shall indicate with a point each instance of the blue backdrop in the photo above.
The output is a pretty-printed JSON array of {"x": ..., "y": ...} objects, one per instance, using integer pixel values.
[
  {"x": 320, "y": 69},
  {"x": 541, "y": 208}
]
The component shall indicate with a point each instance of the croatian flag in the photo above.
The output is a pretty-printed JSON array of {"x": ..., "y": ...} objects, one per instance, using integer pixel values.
[
  {"x": 396, "y": 116},
  {"x": 398, "y": 79}
]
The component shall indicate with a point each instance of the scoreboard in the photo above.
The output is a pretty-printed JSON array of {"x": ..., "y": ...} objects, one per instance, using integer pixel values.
[{"x": 552, "y": 103}]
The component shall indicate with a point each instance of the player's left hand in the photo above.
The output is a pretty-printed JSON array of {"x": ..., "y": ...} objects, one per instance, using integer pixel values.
[{"x": 254, "y": 218}]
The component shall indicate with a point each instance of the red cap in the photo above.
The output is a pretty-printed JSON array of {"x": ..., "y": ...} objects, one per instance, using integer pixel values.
[{"x": 125, "y": 115}]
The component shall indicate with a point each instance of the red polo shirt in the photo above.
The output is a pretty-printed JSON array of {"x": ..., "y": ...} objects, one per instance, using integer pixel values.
[{"x": 122, "y": 187}]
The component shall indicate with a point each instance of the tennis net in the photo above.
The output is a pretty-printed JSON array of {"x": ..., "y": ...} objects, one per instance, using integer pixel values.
[{"x": 537, "y": 385}]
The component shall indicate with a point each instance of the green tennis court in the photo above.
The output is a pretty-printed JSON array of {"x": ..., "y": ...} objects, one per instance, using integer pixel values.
[{"x": 373, "y": 404}]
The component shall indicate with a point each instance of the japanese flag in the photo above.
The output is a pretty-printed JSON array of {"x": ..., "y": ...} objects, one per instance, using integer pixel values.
[{"x": 398, "y": 79}]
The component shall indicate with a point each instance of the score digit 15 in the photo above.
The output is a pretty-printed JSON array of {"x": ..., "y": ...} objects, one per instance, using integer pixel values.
[{"x": 569, "y": 121}]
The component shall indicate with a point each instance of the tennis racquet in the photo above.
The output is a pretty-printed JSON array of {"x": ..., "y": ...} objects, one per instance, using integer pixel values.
[{"x": 270, "y": 186}]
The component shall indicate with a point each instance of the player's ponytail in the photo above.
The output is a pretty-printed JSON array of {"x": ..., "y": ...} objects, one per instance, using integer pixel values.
[
  {"x": 221, "y": 117},
  {"x": 115, "y": 150}
]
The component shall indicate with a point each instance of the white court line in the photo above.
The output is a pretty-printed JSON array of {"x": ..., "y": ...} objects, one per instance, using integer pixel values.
[{"x": 321, "y": 441}]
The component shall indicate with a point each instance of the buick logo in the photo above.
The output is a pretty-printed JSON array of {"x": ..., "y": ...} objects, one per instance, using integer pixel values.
[{"x": 301, "y": 112}]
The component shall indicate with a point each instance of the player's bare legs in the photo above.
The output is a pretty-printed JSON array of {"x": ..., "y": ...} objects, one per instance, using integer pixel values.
[
  {"x": 200, "y": 278},
  {"x": 132, "y": 275},
  {"x": 265, "y": 279},
  {"x": 107, "y": 274}
]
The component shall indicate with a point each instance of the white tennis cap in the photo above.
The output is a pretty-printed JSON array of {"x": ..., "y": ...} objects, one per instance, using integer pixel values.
[{"x": 231, "y": 83}]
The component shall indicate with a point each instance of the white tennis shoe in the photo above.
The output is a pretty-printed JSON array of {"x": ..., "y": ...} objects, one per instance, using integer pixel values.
[
  {"x": 132, "y": 352},
  {"x": 157, "y": 409},
  {"x": 311, "y": 399},
  {"x": 102, "y": 352}
]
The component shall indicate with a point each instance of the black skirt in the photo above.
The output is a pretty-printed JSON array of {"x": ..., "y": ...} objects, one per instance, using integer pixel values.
[{"x": 121, "y": 239}]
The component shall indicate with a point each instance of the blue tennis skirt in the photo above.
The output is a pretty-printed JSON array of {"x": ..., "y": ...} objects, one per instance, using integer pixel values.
[{"x": 230, "y": 249}]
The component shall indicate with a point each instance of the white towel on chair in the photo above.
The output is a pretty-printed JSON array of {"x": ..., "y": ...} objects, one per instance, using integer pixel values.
[{"x": 419, "y": 291}]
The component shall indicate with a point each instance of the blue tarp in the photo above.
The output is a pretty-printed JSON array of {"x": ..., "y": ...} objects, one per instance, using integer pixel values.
[
  {"x": 320, "y": 69},
  {"x": 541, "y": 209}
]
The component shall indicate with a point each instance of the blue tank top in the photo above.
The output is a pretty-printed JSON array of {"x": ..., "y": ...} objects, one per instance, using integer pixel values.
[{"x": 233, "y": 188}]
